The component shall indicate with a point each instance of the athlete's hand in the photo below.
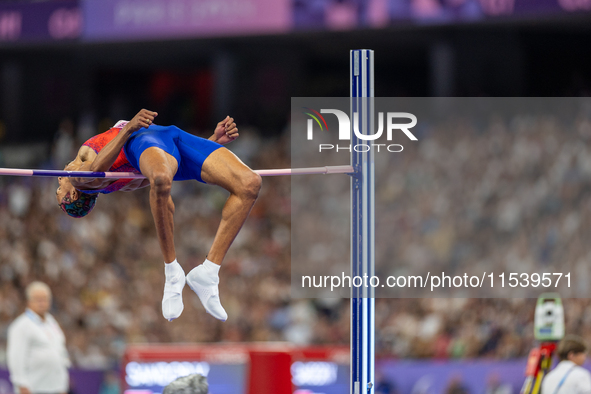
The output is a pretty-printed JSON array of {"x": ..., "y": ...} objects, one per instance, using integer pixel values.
[
  {"x": 226, "y": 131},
  {"x": 144, "y": 118}
]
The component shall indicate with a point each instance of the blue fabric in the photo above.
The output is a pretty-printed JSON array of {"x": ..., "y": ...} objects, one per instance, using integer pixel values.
[{"x": 189, "y": 150}]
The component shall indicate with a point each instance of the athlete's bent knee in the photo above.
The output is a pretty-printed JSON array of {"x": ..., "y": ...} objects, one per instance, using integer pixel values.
[
  {"x": 251, "y": 185},
  {"x": 161, "y": 182}
]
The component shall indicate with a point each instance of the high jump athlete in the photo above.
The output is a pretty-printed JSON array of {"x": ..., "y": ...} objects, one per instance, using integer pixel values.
[{"x": 164, "y": 154}]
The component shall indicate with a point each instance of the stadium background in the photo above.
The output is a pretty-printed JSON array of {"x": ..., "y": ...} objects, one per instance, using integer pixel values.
[{"x": 71, "y": 69}]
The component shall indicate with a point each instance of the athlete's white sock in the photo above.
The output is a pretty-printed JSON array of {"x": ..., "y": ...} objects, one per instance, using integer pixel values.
[
  {"x": 172, "y": 268},
  {"x": 212, "y": 268},
  {"x": 172, "y": 300},
  {"x": 204, "y": 280}
]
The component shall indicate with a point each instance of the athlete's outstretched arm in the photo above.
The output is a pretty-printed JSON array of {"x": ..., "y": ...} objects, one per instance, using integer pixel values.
[
  {"x": 107, "y": 156},
  {"x": 102, "y": 161}
]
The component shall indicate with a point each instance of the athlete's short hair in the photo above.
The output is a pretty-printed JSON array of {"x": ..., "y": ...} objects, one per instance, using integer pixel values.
[
  {"x": 79, "y": 208},
  {"x": 571, "y": 343}
]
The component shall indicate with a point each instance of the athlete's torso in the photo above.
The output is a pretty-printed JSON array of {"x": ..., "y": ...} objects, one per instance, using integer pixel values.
[{"x": 121, "y": 163}]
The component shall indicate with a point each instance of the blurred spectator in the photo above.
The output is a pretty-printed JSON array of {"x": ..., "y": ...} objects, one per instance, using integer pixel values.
[
  {"x": 569, "y": 377},
  {"x": 37, "y": 356}
]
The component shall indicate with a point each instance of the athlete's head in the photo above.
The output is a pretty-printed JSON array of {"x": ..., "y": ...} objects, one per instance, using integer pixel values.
[{"x": 75, "y": 203}]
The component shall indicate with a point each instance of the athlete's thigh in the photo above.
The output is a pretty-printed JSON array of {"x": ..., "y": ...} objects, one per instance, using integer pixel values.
[
  {"x": 155, "y": 161},
  {"x": 225, "y": 169}
]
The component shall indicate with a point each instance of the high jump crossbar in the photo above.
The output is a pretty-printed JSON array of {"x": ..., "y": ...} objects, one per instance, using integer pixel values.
[{"x": 133, "y": 175}]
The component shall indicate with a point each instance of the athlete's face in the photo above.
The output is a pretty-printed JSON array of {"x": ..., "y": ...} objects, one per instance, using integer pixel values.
[{"x": 65, "y": 187}]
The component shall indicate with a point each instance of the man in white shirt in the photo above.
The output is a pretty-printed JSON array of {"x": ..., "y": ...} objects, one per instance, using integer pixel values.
[
  {"x": 37, "y": 357},
  {"x": 569, "y": 377}
]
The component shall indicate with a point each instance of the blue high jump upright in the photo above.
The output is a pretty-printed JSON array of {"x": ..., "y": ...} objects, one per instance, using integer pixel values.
[{"x": 362, "y": 225}]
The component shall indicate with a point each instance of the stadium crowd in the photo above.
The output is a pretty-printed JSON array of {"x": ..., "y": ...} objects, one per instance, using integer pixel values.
[{"x": 508, "y": 193}]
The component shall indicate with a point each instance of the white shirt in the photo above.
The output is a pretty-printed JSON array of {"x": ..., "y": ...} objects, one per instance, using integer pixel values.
[
  {"x": 37, "y": 355},
  {"x": 578, "y": 380}
]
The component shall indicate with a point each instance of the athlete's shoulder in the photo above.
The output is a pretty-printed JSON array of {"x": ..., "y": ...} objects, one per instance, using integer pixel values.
[
  {"x": 100, "y": 140},
  {"x": 107, "y": 134}
]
